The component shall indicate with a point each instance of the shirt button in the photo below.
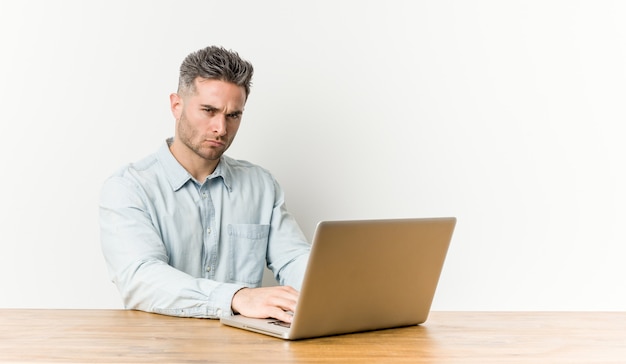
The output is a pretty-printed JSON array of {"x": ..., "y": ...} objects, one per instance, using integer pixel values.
[
  {"x": 208, "y": 231},
  {"x": 204, "y": 195},
  {"x": 208, "y": 268}
]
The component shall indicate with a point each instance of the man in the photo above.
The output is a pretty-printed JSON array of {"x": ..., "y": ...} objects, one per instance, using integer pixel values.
[{"x": 188, "y": 231}]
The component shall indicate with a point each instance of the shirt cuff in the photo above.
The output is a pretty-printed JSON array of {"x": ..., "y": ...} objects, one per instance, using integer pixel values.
[{"x": 221, "y": 299}]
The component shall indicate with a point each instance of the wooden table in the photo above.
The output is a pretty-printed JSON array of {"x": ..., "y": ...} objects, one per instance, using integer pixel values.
[{"x": 120, "y": 336}]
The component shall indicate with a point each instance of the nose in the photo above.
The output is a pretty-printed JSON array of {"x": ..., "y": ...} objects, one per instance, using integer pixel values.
[{"x": 218, "y": 125}]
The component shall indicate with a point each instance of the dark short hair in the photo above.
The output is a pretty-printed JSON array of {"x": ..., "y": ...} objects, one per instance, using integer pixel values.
[{"x": 215, "y": 63}]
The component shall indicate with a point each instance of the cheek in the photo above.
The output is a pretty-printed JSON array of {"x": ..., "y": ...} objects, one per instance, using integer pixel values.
[
  {"x": 232, "y": 129},
  {"x": 185, "y": 126},
  {"x": 191, "y": 120}
]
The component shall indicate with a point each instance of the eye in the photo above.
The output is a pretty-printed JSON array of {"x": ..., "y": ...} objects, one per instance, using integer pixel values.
[
  {"x": 209, "y": 110},
  {"x": 234, "y": 116}
]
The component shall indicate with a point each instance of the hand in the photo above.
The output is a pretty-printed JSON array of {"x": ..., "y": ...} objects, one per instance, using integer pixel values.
[{"x": 266, "y": 302}]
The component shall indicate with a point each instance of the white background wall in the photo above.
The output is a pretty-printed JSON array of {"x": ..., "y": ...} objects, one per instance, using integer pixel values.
[{"x": 505, "y": 114}]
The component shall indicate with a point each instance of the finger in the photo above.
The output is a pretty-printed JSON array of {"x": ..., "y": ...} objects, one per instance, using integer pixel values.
[
  {"x": 285, "y": 302},
  {"x": 282, "y": 315}
]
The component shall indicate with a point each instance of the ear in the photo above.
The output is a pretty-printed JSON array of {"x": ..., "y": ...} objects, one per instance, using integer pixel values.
[{"x": 176, "y": 105}]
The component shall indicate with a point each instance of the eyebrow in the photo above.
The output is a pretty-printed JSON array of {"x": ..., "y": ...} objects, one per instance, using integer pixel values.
[{"x": 211, "y": 107}]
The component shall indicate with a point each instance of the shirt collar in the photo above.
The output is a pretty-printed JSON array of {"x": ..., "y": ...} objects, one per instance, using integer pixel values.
[
  {"x": 178, "y": 176},
  {"x": 223, "y": 170}
]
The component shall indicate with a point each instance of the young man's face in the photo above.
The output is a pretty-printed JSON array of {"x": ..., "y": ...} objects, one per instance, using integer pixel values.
[{"x": 207, "y": 120}]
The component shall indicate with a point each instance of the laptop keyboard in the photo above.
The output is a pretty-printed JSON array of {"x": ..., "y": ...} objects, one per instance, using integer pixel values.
[{"x": 281, "y": 323}]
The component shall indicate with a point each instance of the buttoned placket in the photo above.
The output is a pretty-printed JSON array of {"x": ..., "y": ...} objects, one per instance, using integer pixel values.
[{"x": 209, "y": 234}]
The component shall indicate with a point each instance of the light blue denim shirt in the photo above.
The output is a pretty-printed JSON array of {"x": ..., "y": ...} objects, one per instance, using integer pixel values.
[{"x": 181, "y": 247}]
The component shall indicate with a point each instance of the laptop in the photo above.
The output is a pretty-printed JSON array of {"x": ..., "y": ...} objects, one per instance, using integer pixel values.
[{"x": 364, "y": 275}]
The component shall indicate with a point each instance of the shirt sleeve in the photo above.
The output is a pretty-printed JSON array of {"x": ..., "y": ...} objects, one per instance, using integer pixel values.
[
  {"x": 288, "y": 249},
  {"x": 137, "y": 260}
]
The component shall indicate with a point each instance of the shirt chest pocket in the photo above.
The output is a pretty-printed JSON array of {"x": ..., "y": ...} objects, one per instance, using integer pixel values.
[{"x": 248, "y": 248}]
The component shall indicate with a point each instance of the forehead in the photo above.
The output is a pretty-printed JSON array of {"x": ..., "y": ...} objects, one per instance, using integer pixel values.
[{"x": 219, "y": 91}]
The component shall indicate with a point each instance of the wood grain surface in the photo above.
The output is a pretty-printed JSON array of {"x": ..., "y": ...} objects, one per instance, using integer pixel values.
[{"x": 121, "y": 336}]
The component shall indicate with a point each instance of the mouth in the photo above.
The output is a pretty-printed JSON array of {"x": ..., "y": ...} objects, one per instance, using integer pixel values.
[{"x": 214, "y": 142}]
